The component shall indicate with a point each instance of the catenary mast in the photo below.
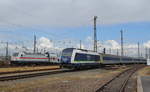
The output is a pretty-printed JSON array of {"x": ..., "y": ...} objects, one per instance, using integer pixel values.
[{"x": 95, "y": 35}]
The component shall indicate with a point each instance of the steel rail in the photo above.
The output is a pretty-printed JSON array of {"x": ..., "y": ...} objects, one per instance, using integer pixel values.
[
  {"x": 22, "y": 76},
  {"x": 122, "y": 88}
]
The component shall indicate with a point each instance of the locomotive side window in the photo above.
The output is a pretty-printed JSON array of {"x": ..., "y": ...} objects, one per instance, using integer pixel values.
[
  {"x": 86, "y": 57},
  {"x": 80, "y": 57}
]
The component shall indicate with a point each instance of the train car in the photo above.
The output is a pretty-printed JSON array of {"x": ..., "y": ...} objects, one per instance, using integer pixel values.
[
  {"x": 33, "y": 58},
  {"x": 77, "y": 58},
  {"x": 114, "y": 59}
]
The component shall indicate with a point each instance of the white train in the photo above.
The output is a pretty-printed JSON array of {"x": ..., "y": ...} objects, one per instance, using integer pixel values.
[
  {"x": 34, "y": 58},
  {"x": 79, "y": 58}
]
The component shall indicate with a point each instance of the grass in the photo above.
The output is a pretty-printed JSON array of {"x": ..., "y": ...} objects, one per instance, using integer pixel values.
[
  {"x": 145, "y": 71},
  {"x": 24, "y": 68},
  {"x": 4, "y": 63}
]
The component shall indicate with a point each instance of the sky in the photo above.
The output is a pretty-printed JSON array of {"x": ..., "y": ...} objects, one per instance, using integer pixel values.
[{"x": 63, "y": 23}]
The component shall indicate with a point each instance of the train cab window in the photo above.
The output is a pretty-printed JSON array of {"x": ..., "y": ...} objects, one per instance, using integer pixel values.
[
  {"x": 21, "y": 55},
  {"x": 47, "y": 54},
  {"x": 67, "y": 52}
]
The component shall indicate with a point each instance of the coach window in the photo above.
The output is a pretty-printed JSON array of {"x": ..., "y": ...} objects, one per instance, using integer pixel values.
[
  {"x": 93, "y": 58},
  {"x": 97, "y": 58},
  {"x": 89, "y": 58}
]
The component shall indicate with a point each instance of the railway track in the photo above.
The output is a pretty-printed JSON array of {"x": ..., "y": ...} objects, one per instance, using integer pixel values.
[
  {"x": 7, "y": 77},
  {"x": 119, "y": 82},
  {"x": 34, "y": 74}
]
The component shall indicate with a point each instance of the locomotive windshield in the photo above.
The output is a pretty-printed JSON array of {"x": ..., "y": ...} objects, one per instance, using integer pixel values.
[
  {"x": 15, "y": 54},
  {"x": 67, "y": 52},
  {"x": 66, "y": 55}
]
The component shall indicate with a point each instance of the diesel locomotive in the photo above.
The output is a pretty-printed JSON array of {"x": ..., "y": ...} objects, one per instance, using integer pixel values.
[{"x": 79, "y": 58}]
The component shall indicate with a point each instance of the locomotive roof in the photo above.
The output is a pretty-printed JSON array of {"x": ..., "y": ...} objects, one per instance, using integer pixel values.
[
  {"x": 33, "y": 53},
  {"x": 81, "y": 49}
]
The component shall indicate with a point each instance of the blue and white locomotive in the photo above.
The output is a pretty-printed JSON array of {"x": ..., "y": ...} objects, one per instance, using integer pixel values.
[{"x": 78, "y": 58}]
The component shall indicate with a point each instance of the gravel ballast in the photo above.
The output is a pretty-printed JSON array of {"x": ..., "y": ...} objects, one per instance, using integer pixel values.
[{"x": 80, "y": 81}]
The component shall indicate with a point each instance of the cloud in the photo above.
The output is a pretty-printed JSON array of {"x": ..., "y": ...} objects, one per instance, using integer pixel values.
[
  {"x": 111, "y": 44},
  {"x": 44, "y": 42},
  {"x": 82, "y": 46},
  {"x": 147, "y": 44},
  {"x": 60, "y": 13},
  {"x": 130, "y": 46},
  {"x": 89, "y": 43},
  {"x": 89, "y": 39}
]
